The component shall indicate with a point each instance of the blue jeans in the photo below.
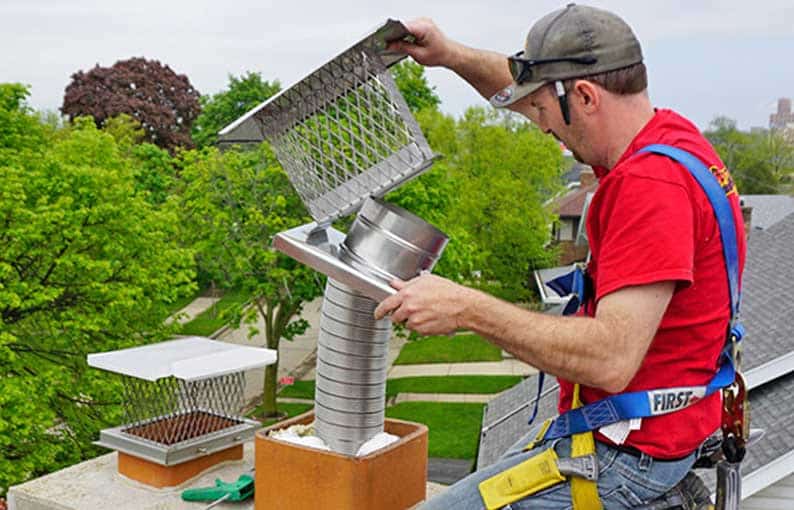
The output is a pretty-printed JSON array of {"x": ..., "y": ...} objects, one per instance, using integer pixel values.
[{"x": 624, "y": 481}]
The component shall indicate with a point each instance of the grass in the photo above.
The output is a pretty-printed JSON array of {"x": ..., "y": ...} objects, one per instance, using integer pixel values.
[
  {"x": 441, "y": 384},
  {"x": 452, "y": 384},
  {"x": 454, "y": 428},
  {"x": 299, "y": 389},
  {"x": 443, "y": 349},
  {"x": 211, "y": 319}
]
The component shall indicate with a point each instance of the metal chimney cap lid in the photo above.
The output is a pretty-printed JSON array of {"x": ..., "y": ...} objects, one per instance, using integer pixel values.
[
  {"x": 242, "y": 129},
  {"x": 344, "y": 132},
  {"x": 188, "y": 359}
]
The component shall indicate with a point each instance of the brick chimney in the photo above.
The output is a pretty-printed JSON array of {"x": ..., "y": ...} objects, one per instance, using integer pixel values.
[{"x": 586, "y": 177}]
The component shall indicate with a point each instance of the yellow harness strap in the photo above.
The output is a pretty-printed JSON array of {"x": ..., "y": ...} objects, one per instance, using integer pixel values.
[
  {"x": 539, "y": 435},
  {"x": 533, "y": 475},
  {"x": 584, "y": 493},
  {"x": 540, "y": 472}
]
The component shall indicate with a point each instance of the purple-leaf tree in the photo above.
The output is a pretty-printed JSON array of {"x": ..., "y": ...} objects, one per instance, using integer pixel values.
[{"x": 165, "y": 103}]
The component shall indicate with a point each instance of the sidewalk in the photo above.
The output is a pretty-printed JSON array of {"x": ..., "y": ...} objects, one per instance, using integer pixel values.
[
  {"x": 460, "y": 398},
  {"x": 505, "y": 367},
  {"x": 192, "y": 310}
]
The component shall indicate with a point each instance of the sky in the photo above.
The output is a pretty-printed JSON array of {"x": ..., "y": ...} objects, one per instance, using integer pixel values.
[{"x": 705, "y": 58}]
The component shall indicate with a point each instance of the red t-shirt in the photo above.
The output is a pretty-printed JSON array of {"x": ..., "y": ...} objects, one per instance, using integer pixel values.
[{"x": 650, "y": 221}]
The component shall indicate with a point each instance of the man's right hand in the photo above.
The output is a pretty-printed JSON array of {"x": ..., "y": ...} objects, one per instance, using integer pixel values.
[
  {"x": 431, "y": 47},
  {"x": 486, "y": 71}
]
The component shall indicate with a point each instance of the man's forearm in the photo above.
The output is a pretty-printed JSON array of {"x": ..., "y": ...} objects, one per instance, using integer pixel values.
[
  {"x": 604, "y": 351},
  {"x": 484, "y": 70},
  {"x": 580, "y": 349}
]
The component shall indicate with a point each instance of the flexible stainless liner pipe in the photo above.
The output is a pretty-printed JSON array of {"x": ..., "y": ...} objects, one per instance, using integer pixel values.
[{"x": 352, "y": 348}]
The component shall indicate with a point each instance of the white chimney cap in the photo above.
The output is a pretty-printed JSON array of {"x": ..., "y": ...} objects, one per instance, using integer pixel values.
[{"x": 188, "y": 359}]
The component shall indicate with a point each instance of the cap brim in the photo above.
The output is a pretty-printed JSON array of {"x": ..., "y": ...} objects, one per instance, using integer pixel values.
[{"x": 513, "y": 93}]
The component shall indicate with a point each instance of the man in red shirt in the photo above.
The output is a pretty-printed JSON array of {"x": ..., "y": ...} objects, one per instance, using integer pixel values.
[{"x": 659, "y": 311}]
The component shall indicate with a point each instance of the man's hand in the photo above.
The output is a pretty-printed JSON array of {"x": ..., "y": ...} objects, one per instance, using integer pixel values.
[
  {"x": 431, "y": 47},
  {"x": 427, "y": 304}
]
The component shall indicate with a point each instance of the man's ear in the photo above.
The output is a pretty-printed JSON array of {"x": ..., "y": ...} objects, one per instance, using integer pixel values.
[{"x": 587, "y": 95}]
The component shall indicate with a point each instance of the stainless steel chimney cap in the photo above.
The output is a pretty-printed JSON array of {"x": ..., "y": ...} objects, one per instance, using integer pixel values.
[{"x": 344, "y": 132}]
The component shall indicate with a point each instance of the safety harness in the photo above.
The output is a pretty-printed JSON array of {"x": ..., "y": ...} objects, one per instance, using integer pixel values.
[{"x": 545, "y": 469}]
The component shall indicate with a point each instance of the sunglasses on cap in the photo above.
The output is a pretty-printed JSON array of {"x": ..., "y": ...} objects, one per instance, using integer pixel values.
[{"x": 521, "y": 68}]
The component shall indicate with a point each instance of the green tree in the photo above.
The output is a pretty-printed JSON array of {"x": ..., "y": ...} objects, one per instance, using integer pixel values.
[
  {"x": 235, "y": 202},
  {"x": 433, "y": 197},
  {"x": 86, "y": 264},
  {"x": 154, "y": 168},
  {"x": 154, "y": 172},
  {"x": 487, "y": 193},
  {"x": 20, "y": 131},
  {"x": 412, "y": 82},
  {"x": 507, "y": 170},
  {"x": 223, "y": 108},
  {"x": 760, "y": 162}
]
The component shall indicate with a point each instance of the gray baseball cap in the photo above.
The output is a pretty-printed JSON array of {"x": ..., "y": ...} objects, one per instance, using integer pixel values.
[{"x": 568, "y": 43}]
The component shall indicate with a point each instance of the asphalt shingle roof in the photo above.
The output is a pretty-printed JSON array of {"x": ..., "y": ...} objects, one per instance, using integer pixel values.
[
  {"x": 768, "y": 294},
  {"x": 768, "y": 209}
]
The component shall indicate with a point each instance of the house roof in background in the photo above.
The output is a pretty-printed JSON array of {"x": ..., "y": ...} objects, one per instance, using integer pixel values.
[
  {"x": 768, "y": 294},
  {"x": 768, "y": 209},
  {"x": 572, "y": 175},
  {"x": 570, "y": 205}
]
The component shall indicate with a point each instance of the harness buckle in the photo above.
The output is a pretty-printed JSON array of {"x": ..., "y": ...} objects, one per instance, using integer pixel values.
[
  {"x": 735, "y": 419},
  {"x": 584, "y": 466}
]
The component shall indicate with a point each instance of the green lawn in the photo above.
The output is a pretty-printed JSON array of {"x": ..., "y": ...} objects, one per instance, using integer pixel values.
[
  {"x": 441, "y": 384},
  {"x": 454, "y": 428},
  {"x": 452, "y": 384},
  {"x": 443, "y": 349},
  {"x": 300, "y": 389},
  {"x": 211, "y": 319}
]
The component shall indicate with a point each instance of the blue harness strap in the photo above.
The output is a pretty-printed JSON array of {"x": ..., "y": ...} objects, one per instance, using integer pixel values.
[
  {"x": 643, "y": 404},
  {"x": 571, "y": 284},
  {"x": 722, "y": 211}
]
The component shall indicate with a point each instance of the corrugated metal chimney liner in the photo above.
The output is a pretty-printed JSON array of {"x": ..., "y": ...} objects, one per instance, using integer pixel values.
[{"x": 352, "y": 347}]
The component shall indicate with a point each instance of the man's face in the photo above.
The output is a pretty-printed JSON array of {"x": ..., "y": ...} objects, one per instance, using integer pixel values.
[{"x": 547, "y": 115}]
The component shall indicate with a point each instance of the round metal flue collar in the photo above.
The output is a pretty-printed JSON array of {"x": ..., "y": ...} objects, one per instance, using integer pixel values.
[{"x": 390, "y": 242}]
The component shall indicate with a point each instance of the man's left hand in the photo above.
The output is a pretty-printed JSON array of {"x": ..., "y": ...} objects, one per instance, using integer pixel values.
[{"x": 427, "y": 304}]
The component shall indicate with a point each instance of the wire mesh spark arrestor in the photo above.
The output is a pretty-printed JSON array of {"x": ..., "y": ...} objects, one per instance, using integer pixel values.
[
  {"x": 182, "y": 403},
  {"x": 345, "y": 136}
]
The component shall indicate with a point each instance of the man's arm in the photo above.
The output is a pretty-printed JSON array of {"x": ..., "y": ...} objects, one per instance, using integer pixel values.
[
  {"x": 604, "y": 351},
  {"x": 484, "y": 70}
]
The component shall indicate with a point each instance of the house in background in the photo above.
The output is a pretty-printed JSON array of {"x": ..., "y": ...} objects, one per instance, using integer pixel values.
[
  {"x": 570, "y": 207},
  {"x": 568, "y": 233}
]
